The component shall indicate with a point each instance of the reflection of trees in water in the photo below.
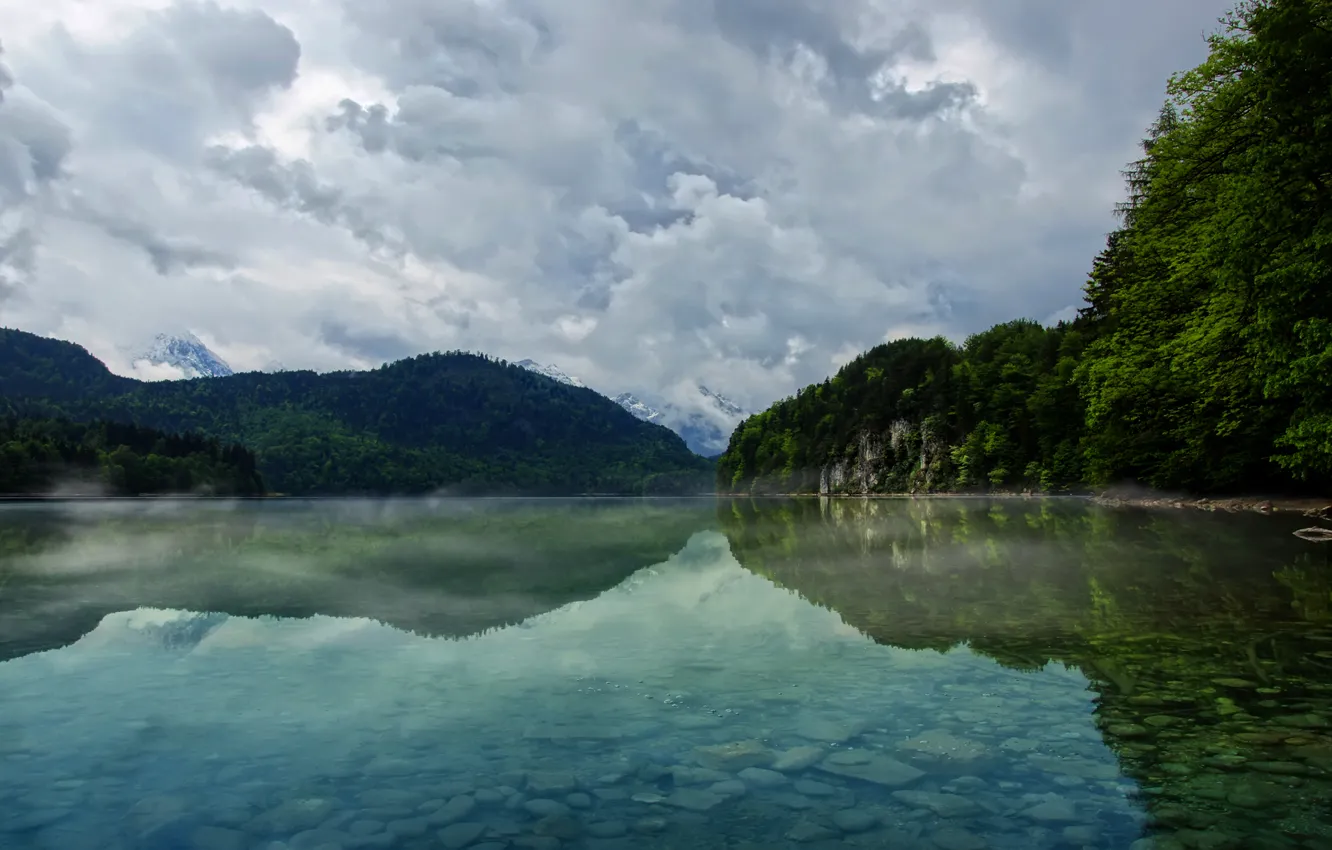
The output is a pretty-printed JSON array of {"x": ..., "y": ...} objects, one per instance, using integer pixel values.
[
  {"x": 453, "y": 569},
  {"x": 1206, "y": 636}
]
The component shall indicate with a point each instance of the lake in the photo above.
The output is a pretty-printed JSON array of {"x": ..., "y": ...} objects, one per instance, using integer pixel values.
[{"x": 933, "y": 674}]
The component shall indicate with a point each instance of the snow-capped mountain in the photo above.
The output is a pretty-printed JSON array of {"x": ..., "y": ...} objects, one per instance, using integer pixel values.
[
  {"x": 705, "y": 423},
  {"x": 186, "y": 353},
  {"x": 722, "y": 403},
  {"x": 634, "y": 405},
  {"x": 706, "y": 426},
  {"x": 550, "y": 372}
]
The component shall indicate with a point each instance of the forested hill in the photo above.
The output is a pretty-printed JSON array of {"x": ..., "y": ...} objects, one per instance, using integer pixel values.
[
  {"x": 50, "y": 457},
  {"x": 455, "y": 421},
  {"x": 1202, "y": 359}
]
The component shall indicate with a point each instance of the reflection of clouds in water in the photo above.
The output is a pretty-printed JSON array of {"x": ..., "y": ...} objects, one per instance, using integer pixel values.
[
  {"x": 698, "y": 608},
  {"x": 699, "y": 601}
]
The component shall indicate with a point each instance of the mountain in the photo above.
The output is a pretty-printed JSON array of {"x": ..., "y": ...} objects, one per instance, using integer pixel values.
[
  {"x": 705, "y": 425},
  {"x": 631, "y": 403},
  {"x": 722, "y": 403},
  {"x": 464, "y": 422},
  {"x": 188, "y": 354},
  {"x": 550, "y": 372}
]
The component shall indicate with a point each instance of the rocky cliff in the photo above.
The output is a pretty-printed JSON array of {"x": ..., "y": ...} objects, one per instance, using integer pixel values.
[{"x": 907, "y": 457}]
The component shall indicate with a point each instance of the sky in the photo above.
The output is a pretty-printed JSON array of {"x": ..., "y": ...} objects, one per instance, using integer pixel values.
[{"x": 649, "y": 194}]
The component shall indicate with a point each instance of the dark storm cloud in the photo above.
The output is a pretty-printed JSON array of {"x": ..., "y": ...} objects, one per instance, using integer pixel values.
[
  {"x": 365, "y": 345},
  {"x": 241, "y": 53},
  {"x": 34, "y": 146},
  {"x": 6, "y": 78},
  {"x": 186, "y": 72},
  {"x": 166, "y": 255},
  {"x": 778, "y": 30},
  {"x": 295, "y": 186}
]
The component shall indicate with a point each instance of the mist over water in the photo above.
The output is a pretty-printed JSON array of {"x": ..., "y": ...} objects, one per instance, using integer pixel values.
[{"x": 676, "y": 673}]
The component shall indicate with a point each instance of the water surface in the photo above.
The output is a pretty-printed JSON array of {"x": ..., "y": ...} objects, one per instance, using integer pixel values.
[{"x": 946, "y": 674}]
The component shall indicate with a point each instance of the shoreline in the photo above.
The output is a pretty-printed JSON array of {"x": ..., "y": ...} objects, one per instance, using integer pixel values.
[{"x": 1320, "y": 508}]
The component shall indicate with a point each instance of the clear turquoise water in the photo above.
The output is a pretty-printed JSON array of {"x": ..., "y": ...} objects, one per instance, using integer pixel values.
[{"x": 903, "y": 674}]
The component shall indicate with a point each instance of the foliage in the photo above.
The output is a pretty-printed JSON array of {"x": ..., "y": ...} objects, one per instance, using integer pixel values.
[
  {"x": 39, "y": 455},
  {"x": 1002, "y": 404},
  {"x": 1202, "y": 359},
  {"x": 464, "y": 422}
]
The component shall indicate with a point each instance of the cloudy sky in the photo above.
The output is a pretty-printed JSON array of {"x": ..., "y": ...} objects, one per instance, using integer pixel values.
[{"x": 647, "y": 193}]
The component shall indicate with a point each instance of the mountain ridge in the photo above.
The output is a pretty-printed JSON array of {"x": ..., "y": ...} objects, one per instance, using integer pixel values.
[
  {"x": 186, "y": 353},
  {"x": 453, "y": 421}
]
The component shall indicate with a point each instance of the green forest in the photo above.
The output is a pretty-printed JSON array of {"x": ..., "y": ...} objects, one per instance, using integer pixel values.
[
  {"x": 1202, "y": 358},
  {"x": 454, "y": 422},
  {"x": 44, "y": 455}
]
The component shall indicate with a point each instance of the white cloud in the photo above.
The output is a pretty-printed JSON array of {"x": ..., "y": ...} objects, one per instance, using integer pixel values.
[{"x": 651, "y": 194}]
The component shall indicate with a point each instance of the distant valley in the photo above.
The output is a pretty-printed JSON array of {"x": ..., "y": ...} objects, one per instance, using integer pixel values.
[{"x": 705, "y": 427}]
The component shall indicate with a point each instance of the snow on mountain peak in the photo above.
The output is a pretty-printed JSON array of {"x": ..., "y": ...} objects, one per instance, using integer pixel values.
[
  {"x": 186, "y": 353},
  {"x": 724, "y": 404},
  {"x": 704, "y": 422},
  {"x": 550, "y": 372},
  {"x": 631, "y": 403}
]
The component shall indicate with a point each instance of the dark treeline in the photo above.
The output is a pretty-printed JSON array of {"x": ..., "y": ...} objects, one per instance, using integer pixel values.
[
  {"x": 456, "y": 421},
  {"x": 38, "y": 456},
  {"x": 1202, "y": 359}
]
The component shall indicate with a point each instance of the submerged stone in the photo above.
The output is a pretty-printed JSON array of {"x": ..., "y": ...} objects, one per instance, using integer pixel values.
[
  {"x": 545, "y": 808},
  {"x": 1127, "y": 730},
  {"x": 942, "y": 745},
  {"x": 650, "y": 826},
  {"x": 217, "y": 838},
  {"x": 729, "y": 788},
  {"x": 797, "y": 759},
  {"x": 562, "y": 827},
  {"x": 453, "y": 811},
  {"x": 459, "y": 835},
  {"x": 880, "y": 770},
  {"x": 551, "y": 782},
  {"x": 814, "y": 788},
  {"x": 761, "y": 778},
  {"x": 805, "y": 831},
  {"x": 828, "y": 731},
  {"x": 851, "y": 757},
  {"x": 293, "y": 816},
  {"x": 956, "y": 838},
  {"x": 608, "y": 829},
  {"x": 1303, "y": 721},
  {"x": 1053, "y": 811},
  {"x": 694, "y": 800},
  {"x": 944, "y": 805},
  {"x": 1161, "y": 720},
  {"x": 734, "y": 756},
  {"x": 855, "y": 820}
]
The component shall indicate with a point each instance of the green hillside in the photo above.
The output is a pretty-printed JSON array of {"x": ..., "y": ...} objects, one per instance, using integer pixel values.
[
  {"x": 41, "y": 456},
  {"x": 455, "y": 421},
  {"x": 1202, "y": 359}
]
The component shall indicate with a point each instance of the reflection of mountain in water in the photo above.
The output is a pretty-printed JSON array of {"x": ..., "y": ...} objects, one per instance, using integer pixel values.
[
  {"x": 453, "y": 570},
  {"x": 1208, "y": 638}
]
